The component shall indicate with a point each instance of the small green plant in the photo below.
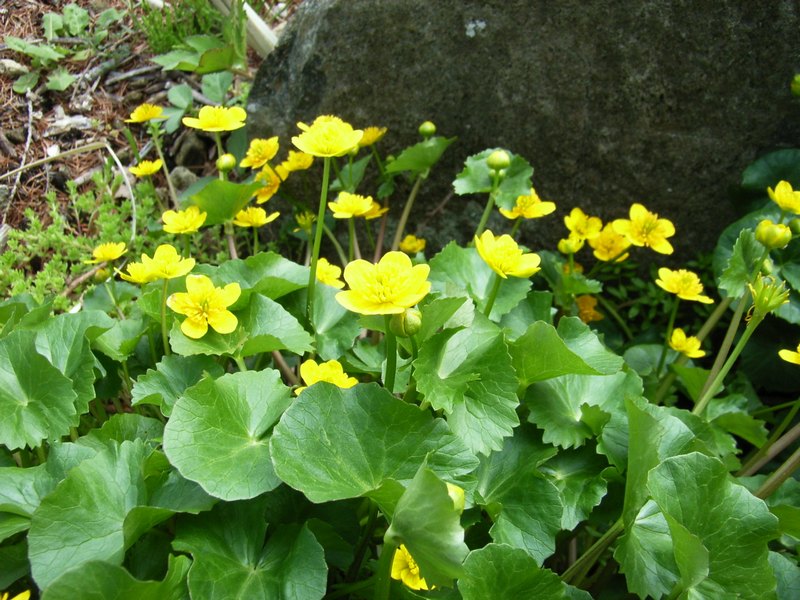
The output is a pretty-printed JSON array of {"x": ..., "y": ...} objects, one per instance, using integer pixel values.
[{"x": 170, "y": 26}]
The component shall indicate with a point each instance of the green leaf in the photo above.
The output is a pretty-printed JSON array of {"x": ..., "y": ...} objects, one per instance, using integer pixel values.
[
  {"x": 180, "y": 95},
  {"x": 467, "y": 373},
  {"x": 266, "y": 273},
  {"x": 737, "y": 274},
  {"x": 475, "y": 178},
  {"x": 216, "y": 59},
  {"x": 84, "y": 518},
  {"x": 455, "y": 270},
  {"x": 76, "y": 19},
  {"x": 180, "y": 60},
  {"x": 203, "y": 43},
  {"x": 578, "y": 476},
  {"x": 12, "y": 525},
  {"x": 335, "y": 327},
  {"x": 52, "y": 24},
  {"x": 218, "y": 434},
  {"x": 787, "y": 574},
  {"x": 730, "y": 524},
  {"x": 771, "y": 168},
  {"x": 36, "y": 400},
  {"x": 562, "y": 406},
  {"x": 108, "y": 17},
  {"x": 645, "y": 553},
  {"x": 22, "y": 490},
  {"x": 507, "y": 481},
  {"x": 26, "y": 82},
  {"x": 15, "y": 563},
  {"x": 42, "y": 52},
  {"x": 59, "y": 80},
  {"x": 427, "y": 523},
  {"x": 264, "y": 326},
  {"x": 500, "y": 571},
  {"x": 731, "y": 413},
  {"x": 216, "y": 86},
  {"x": 163, "y": 385},
  {"x": 543, "y": 352},
  {"x": 231, "y": 559},
  {"x": 120, "y": 342},
  {"x": 419, "y": 158},
  {"x": 351, "y": 175},
  {"x": 221, "y": 200},
  {"x": 333, "y": 444},
  {"x": 439, "y": 313},
  {"x": 124, "y": 426},
  {"x": 537, "y": 306},
  {"x": 98, "y": 580}
]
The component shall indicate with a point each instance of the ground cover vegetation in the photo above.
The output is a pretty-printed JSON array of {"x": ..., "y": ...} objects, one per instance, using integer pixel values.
[{"x": 256, "y": 383}]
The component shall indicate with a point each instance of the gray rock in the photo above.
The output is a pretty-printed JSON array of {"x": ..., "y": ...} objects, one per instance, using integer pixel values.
[{"x": 662, "y": 103}]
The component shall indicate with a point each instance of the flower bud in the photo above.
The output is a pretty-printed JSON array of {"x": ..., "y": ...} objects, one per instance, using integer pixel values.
[
  {"x": 457, "y": 496},
  {"x": 795, "y": 85},
  {"x": 226, "y": 162},
  {"x": 499, "y": 159},
  {"x": 406, "y": 323},
  {"x": 794, "y": 225},
  {"x": 773, "y": 235},
  {"x": 427, "y": 129},
  {"x": 767, "y": 295},
  {"x": 101, "y": 275}
]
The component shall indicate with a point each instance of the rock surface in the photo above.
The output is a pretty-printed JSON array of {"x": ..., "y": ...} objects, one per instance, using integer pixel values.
[{"x": 662, "y": 103}]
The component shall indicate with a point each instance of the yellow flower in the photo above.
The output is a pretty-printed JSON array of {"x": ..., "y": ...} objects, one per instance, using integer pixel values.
[
  {"x": 586, "y": 308},
  {"x": 405, "y": 569},
  {"x": 375, "y": 211},
  {"x": 784, "y": 196},
  {"x": 260, "y": 152},
  {"x": 372, "y": 135},
  {"x": 273, "y": 182},
  {"x": 327, "y": 136},
  {"x": 166, "y": 263},
  {"x": 204, "y": 305},
  {"x": 349, "y": 205},
  {"x": 644, "y": 228},
  {"x": 685, "y": 284},
  {"x": 688, "y": 345},
  {"x": 529, "y": 207},
  {"x": 183, "y": 221},
  {"x": 146, "y": 168},
  {"x": 21, "y": 596},
  {"x": 582, "y": 225},
  {"x": 145, "y": 112},
  {"x": 330, "y": 372},
  {"x": 388, "y": 287},
  {"x": 138, "y": 273},
  {"x": 329, "y": 274},
  {"x": 570, "y": 244},
  {"x": 107, "y": 252},
  {"x": 505, "y": 257},
  {"x": 217, "y": 118},
  {"x": 296, "y": 161},
  {"x": 411, "y": 244},
  {"x": 254, "y": 217},
  {"x": 790, "y": 355},
  {"x": 610, "y": 245}
]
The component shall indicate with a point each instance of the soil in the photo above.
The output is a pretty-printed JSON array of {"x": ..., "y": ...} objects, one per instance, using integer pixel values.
[{"x": 101, "y": 98}]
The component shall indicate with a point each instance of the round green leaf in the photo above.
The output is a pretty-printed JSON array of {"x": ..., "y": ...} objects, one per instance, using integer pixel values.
[
  {"x": 163, "y": 385},
  {"x": 218, "y": 434},
  {"x": 333, "y": 444}
]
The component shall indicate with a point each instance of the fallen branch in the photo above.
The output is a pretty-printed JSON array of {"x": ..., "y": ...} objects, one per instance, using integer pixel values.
[{"x": 22, "y": 161}]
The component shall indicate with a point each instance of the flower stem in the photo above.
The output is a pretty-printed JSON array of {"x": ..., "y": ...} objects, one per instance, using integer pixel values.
[
  {"x": 391, "y": 356},
  {"x": 727, "y": 342},
  {"x": 515, "y": 227},
  {"x": 609, "y": 308},
  {"x": 229, "y": 235},
  {"x": 155, "y": 132},
  {"x": 575, "y": 574},
  {"x": 401, "y": 225},
  {"x": 363, "y": 542},
  {"x": 336, "y": 245},
  {"x": 779, "y": 476},
  {"x": 493, "y": 293},
  {"x": 670, "y": 326},
  {"x": 384, "y": 575},
  {"x": 755, "y": 462},
  {"x": 255, "y": 241},
  {"x": 240, "y": 363},
  {"x": 164, "y": 333},
  {"x": 351, "y": 236},
  {"x": 489, "y": 206},
  {"x": 319, "y": 225}
]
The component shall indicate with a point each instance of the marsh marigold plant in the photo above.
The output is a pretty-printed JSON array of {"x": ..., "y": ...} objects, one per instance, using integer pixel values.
[
  {"x": 205, "y": 305},
  {"x": 684, "y": 284},
  {"x": 327, "y": 136},
  {"x": 331, "y": 372},
  {"x": 505, "y": 257},
  {"x": 646, "y": 229}
]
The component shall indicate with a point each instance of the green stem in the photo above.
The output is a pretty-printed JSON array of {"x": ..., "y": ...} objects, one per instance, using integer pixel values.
[
  {"x": 609, "y": 308},
  {"x": 41, "y": 455},
  {"x": 319, "y": 225},
  {"x": 187, "y": 245},
  {"x": 578, "y": 570},
  {"x": 240, "y": 363},
  {"x": 164, "y": 333},
  {"x": 727, "y": 342},
  {"x": 337, "y": 246},
  {"x": 366, "y": 536},
  {"x": 220, "y": 152},
  {"x": 391, "y": 356},
  {"x": 516, "y": 226},
  {"x": 779, "y": 476},
  {"x": 754, "y": 462},
  {"x": 665, "y": 348},
  {"x": 384, "y": 575},
  {"x": 110, "y": 289},
  {"x": 230, "y": 236},
  {"x": 347, "y": 590},
  {"x": 493, "y": 294},
  {"x": 173, "y": 194},
  {"x": 351, "y": 235},
  {"x": 711, "y": 390},
  {"x": 255, "y": 241},
  {"x": 401, "y": 225},
  {"x": 489, "y": 206}
]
